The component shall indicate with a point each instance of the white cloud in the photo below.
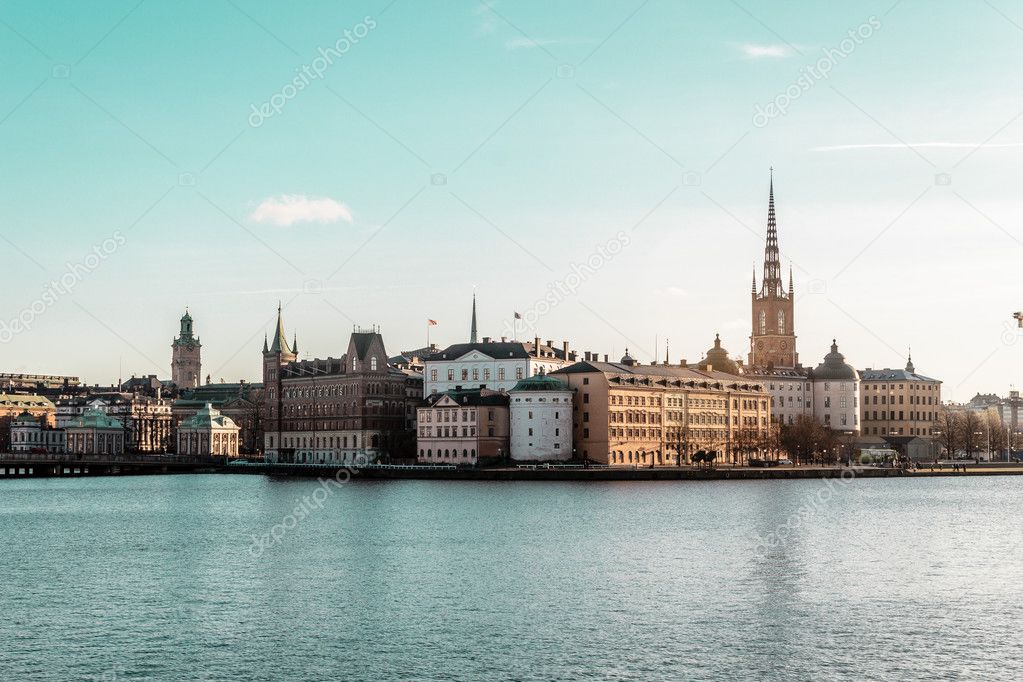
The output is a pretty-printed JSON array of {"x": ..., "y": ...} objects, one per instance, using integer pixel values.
[
  {"x": 765, "y": 51},
  {"x": 916, "y": 145},
  {"x": 523, "y": 43},
  {"x": 289, "y": 209}
]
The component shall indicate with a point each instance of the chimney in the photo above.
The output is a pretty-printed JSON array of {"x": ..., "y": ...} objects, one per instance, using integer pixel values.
[
  {"x": 605, "y": 357},
  {"x": 504, "y": 339},
  {"x": 486, "y": 339},
  {"x": 682, "y": 362},
  {"x": 586, "y": 356},
  {"x": 550, "y": 343},
  {"x": 536, "y": 346},
  {"x": 564, "y": 349}
]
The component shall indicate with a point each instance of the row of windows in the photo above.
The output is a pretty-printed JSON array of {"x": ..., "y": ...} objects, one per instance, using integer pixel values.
[
  {"x": 475, "y": 374},
  {"x": 447, "y": 432},
  {"x": 913, "y": 415},
  {"x": 447, "y": 454},
  {"x": 913, "y": 400}
]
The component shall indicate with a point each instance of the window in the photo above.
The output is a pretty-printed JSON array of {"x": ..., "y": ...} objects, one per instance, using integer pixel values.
[
  {"x": 781, "y": 321},
  {"x": 518, "y": 372},
  {"x": 500, "y": 373},
  {"x": 465, "y": 374},
  {"x": 433, "y": 375},
  {"x": 451, "y": 375},
  {"x": 486, "y": 374},
  {"x": 475, "y": 374},
  {"x": 763, "y": 322},
  {"x": 373, "y": 364}
]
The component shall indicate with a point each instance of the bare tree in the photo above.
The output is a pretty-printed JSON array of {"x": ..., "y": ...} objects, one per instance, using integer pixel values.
[
  {"x": 680, "y": 440},
  {"x": 806, "y": 438},
  {"x": 949, "y": 428},
  {"x": 971, "y": 432},
  {"x": 995, "y": 428}
]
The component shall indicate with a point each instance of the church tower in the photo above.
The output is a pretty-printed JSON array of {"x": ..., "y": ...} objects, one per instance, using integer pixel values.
[
  {"x": 773, "y": 341},
  {"x": 185, "y": 356},
  {"x": 275, "y": 356}
]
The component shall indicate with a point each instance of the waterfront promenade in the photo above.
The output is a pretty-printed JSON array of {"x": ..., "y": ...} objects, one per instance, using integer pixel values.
[{"x": 20, "y": 465}]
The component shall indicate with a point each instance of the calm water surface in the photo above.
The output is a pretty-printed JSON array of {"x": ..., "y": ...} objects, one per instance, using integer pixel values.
[{"x": 160, "y": 578}]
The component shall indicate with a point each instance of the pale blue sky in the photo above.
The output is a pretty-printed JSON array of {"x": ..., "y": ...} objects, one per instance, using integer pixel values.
[{"x": 555, "y": 125}]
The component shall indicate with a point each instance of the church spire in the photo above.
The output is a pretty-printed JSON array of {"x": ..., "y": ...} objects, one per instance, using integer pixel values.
[
  {"x": 754, "y": 288},
  {"x": 472, "y": 332},
  {"x": 909, "y": 362},
  {"x": 792, "y": 289},
  {"x": 771, "y": 285}
]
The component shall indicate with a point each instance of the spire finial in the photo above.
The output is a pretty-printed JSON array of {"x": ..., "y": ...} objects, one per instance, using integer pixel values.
[{"x": 472, "y": 331}]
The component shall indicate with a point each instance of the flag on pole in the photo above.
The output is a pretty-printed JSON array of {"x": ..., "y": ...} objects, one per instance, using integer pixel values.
[
  {"x": 518, "y": 316},
  {"x": 431, "y": 323}
]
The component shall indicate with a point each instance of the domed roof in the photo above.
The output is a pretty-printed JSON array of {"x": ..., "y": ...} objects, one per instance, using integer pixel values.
[
  {"x": 628, "y": 359},
  {"x": 717, "y": 359},
  {"x": 834, "y": 367},
  {"x": 26, "y": 418},
  {"x": 540, "y": 382}
]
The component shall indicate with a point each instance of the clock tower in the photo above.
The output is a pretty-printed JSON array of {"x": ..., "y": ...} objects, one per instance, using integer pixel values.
[{"x": 773, "y": 341}]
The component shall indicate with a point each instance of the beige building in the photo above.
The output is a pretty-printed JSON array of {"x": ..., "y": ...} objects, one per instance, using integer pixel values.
[
  {"x": 899, "y": 402},
  {"x": 626, "y": 413},
  {"x": 463, "y": 427}
]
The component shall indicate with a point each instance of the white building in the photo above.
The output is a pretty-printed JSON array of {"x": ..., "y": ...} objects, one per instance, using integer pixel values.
[
  {"x": 29, "y": 434},
  {"x": 836, "y": 393},
  {"x": 208, "y": 433},
  {"x": 791, "y": 392},
  {"x": 541, "y": 419},
  {"x": 496, "y": 365}
]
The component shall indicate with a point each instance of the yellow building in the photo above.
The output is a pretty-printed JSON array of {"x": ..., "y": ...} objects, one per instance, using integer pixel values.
[
  {"x": 898, "y": 402},
  {"x": 626, "y": 413}
]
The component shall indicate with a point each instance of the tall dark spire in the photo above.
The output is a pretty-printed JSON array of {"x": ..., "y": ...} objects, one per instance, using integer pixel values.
[
  {"x": 771, "y": 284},
  {"x": 754, "y": 288},
  {"x": 472, "y": 332}
]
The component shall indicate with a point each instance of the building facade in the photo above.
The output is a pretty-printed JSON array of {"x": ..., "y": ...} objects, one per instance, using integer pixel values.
[
  {"x": 208, "y": 433},
  {"x": 186, "y": 363},
  {"x": 146, "y": 421},
  {"x": 338, "y": 410},
  {"x": 899, "y": 402},
  {"x": 13, "y": 406},
  {"x": 32, "y": 434},
  {"x": 495, "y": 365},
  {"x": 836, "y": 393},
  {"x": 628, "y": 414},
  {"x": 464, "y": 427},
  {"x": 540, "y": 410},
  {"x": 242, "y": 401},
  {"x": 95, "y": 433}
]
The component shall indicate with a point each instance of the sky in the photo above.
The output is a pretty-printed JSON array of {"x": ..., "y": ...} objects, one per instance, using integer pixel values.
[{"x": 601, "y": 168}]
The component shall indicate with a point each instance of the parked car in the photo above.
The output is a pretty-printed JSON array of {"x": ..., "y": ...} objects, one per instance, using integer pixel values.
[{"x": 784, "y": 461}]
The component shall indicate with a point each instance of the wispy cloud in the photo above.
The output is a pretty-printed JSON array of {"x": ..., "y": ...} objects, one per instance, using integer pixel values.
[
  {"x": 753, "y": 51},
  {"x": 523, "y": 43},
  {"x": 487, "y": 19},
  {"x": 915, "y": 145},
  {"x": 289, "y": 209}
]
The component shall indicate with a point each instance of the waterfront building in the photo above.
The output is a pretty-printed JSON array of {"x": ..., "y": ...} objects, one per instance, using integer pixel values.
[
  {"x": 337, "y": 410},
  {"x": 186, "y": 363},
  {"x": 208, "y": 433},
  {"x": 626, "y": 413},
  {"x": 95, "y": 433},
  {"x": 540, "y": 410},
  {"x": 13, "y": 406},
  {"x": 467, "y": 426},
  {"x": 147, "y": 421},
  {"x": 836, "y": 393},
  {"x": 242, "y": 401},
  {"x": 899, "y": 402},
  {"x": 30, "y": 433}
]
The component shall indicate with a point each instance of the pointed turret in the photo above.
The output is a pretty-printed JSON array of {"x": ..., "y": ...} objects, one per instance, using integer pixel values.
[
  {"x": 266, "y": 348},
  {"x": 753, "y": 289},
  {"x": 792, "y": 289},
  {"x": 280, "y": 342},
  {"x": 909, "y": 362},
  {"x": 472, "y": 331},
  {"x": 294, "y": 343}
]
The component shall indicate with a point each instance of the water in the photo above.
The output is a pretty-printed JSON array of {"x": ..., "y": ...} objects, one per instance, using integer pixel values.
[{"x": 160, "y": 578}]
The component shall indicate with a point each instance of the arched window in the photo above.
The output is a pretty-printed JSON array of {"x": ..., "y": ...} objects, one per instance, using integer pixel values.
[
  {"x": 763, "y": 322},
  {"x": 781, "y": 321}
]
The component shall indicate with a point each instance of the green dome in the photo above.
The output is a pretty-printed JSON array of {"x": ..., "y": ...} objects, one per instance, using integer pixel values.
[{"x": 540, "y": 382}]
